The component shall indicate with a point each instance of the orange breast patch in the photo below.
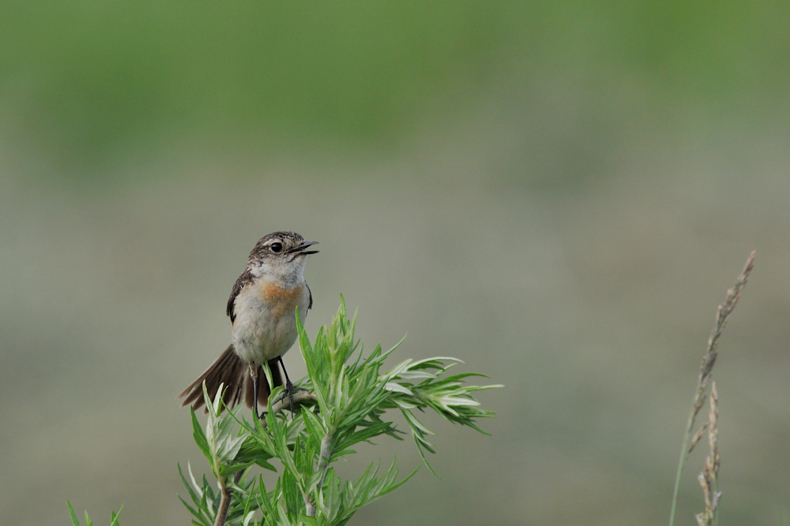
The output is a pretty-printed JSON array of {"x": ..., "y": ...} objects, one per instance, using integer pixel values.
[{"x": 280, "y": 300}]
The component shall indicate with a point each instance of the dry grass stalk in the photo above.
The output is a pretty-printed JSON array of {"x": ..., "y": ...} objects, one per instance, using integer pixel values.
[
  {"x": 723, "y": 313},
  {"x": 698, "y": 436},
  {"x": 708, "y": 478},
  {"x": 705, "y": 374}
]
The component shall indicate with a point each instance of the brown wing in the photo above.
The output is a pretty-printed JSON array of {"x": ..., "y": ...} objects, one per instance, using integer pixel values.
[
  {"x": 310, "y": 292},
  {"x": 244, "y": 279}
]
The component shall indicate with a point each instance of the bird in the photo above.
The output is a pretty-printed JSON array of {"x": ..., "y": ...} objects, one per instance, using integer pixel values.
[{"x": 262, "y": 309}]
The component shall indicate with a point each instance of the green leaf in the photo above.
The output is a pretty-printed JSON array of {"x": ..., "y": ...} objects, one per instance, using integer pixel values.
[
  {"x": 294, "y": 503},
  {"x": 74, "y": 520},
  {"x": 115, "y": 516},
  {"x": 199, "y": 435},
  {"x": 198, "y": 497},
  {"x": 266, "y": 501}
]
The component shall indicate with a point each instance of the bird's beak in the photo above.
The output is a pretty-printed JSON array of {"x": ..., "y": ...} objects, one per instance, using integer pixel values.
[{"x": 300, "y": 249}]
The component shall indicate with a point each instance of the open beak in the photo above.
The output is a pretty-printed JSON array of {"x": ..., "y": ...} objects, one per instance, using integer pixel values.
[{"x": 300, "y": 249}]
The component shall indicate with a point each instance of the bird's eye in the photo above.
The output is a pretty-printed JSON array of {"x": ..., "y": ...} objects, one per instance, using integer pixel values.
[{"x": 276, "y": 247}]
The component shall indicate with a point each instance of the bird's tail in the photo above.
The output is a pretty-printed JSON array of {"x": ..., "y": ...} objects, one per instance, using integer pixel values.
[{"x": 235, "y": 375}]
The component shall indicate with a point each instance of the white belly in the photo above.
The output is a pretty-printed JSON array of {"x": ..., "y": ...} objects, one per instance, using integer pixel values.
[{"x": 265, "y": 325}]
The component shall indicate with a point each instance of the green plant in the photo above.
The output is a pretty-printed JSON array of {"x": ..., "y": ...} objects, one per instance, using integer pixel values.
[
  {"x": 343, "y": 402},
  {"x": 88, "y": 522}
]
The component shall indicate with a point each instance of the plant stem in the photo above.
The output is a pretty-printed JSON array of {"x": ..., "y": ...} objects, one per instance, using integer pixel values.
[
  {"x": 683, "y": 456},
  {"x": 299, "y": 397},
  {"x": 224, "y": 503},
  {"x": 323, "y": 463},
  {"x": 323, "y": 467}
]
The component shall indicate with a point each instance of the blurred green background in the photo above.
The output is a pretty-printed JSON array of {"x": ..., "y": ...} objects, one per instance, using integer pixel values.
[{"x": 557, "y": 193}]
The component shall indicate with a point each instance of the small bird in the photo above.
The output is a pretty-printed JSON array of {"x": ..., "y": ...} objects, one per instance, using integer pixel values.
[{"x": 262, "y": 308}]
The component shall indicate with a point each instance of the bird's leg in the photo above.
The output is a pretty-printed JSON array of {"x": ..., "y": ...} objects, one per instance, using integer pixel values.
[
  {"x": 254, "y": 374},
  {"x": 289, "y": 387}
]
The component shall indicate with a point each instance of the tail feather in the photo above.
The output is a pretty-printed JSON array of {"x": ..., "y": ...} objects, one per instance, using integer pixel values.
[{"x": 234, "y": 374}]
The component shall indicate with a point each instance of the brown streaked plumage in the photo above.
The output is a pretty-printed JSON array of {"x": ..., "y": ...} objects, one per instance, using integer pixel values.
[{"x": 261, "y": 307}]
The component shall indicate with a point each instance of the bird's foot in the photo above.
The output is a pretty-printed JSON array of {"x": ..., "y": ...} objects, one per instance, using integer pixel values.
[{"x": 289, "y": 391}]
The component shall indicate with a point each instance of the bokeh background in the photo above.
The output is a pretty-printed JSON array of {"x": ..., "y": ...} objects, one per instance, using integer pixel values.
[{"x": 559, "y": 193}]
